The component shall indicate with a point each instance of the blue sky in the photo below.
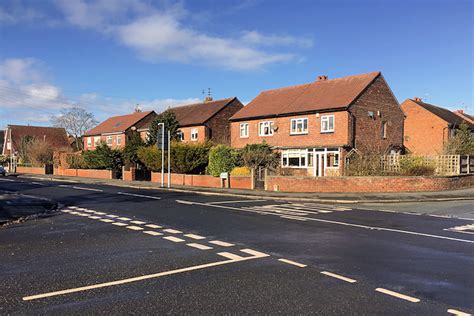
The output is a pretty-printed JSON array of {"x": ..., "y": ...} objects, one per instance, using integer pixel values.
[{"x": 109, "y": 55}]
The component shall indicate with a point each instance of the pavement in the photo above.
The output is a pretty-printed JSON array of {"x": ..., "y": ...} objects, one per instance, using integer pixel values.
[
  {"x": 466, "y": 194},
  {"x": 116, "y": 249}
]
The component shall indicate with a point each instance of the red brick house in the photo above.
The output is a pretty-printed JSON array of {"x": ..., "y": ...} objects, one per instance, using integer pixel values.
[
  {"x": 56, "y": 137},
  {"x": 428, "y": 127},
  {"x": 465, "y": 116},
  {"x": 116, "y": 130},
  {"x": 207, "y": 121},
  {"x": 314, "y": 125}
]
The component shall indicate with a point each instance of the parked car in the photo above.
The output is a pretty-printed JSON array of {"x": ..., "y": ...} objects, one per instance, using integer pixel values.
[{"x": 3, "y": 172}]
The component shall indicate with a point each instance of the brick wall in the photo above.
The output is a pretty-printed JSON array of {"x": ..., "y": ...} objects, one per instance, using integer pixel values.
[
  {"x": 425, "y": 133},
  {"x": 282, "y": 137},
  {"x": 31, "y": 170},
  {"x": 85, "y": 173},
  {"x": 367, "y": 184},
  {"x": 368, "y": 131},
  {"x": 240, "y": 182},
  {"x": 219, "y": 125}
]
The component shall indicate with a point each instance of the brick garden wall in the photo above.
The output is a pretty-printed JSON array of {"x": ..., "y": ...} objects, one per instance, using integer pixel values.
[
  {"x": 31, "y": 170},
  {"x": 85, "y": 173},
  {"x": 240, "y": 182},
  {"x": 367, "y": 184}
]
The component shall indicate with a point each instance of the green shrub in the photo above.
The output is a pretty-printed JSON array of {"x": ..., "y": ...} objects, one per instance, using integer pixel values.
[
  {"x": 130, "y": 151},
  {"x": 222, "y": 158},
  {"x": 150, "y": 157},
  {"x": 103, "y": 157},
  {"x": 240, "y": 171},
  {"x": 75, "y": 161},
  {"x": 416, "y": 166}
]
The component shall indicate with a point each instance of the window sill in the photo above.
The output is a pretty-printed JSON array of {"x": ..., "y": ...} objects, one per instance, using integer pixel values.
[
  {"x": 265, "y": 135},
  {"x": 328, "y": 132},
  {"x": 298, "y": 134}
]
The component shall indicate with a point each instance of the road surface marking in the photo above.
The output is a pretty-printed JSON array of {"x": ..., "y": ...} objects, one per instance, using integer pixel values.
[
  {"x": 38, "y": 183},
  {"x": 294, "y": 217},
  {"x": 134, "y": 227},
  {"x": 193, "y": 236},
  {"x": 141, "y": 278},
  {"x": 293, "y": 263},
  {"x": 73, "y": 207},
  {"x": 106, "y": 220},
  {"x": 254, "y": 253},
  {"x": 119, "y": 224},
  {"x": 221, "y": 243},
  {"x": 199, "y": 246},
  {"x": 87, "y": 189},
  {"x": 88, "y": 211},
  {"x": 398, "y": 295},
  {"x": 124, "y": 218},
  {"x": 153, "y": 233},
  {"x": 173, "y": 239},
  {"x": 65, "y": 211},
  {"x": 64, "y": 186},
  {"x": 458, "y": 313},
  {"x": 137, "y": 222},
  {"x": 239, "y": 201},
  {"x": 140, "y": 195},
  {"x": 9, "y": 180},
  {"x": 172, "y": 231},
  {"x": 95, "y": 217},
  {"x": 153, "y": 226},
  {"x": 83, "y": 214},
  {"x": 465, "y": 229},
  {"x": 327, "y": 221},
  {"x": 337, "y": 276},
  {"x": 112, "y": 216},
  {"x": 229, "y": 255}
]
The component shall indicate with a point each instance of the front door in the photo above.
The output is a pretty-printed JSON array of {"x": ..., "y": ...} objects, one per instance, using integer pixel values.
[{"x": 318, "y": 164}]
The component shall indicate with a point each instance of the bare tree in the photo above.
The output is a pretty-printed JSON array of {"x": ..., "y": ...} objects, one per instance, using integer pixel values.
[{"x": 76, "y": 121}]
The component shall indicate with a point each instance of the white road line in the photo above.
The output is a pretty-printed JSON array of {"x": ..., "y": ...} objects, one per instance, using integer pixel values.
[
  {"x": 229, "y": 255},
  {"x": 255, "y": 253},
  {"x": 95, "y": 217},
  {"x": 294, "y": 217},
  {"x": 88, "y": 211},
  {"x": 38, "y": 183},
  {"x": 398, "y": 295},
  {"x": 221, "y": 243},
  {"x": 119, "y": 224},
  {"x": 124, "y": 218},
  {"x": 100, "y": 213},
  {"x": 73, "y": 207},
  {"x": 173, "y": 239},
  {"x": 106, "y": 220},
  {"x": 113, "y": 216},
  {"x": 87, "y": 189},
  {"x": 137, "y": 222},
  {"x": 153, "y": 233},
  {"x": 239, "y": 201},
  {"x": 293, "y": 263},
  {"x": 337, "y": 276},
  {"x": 458, "y": 313},
  {"x": 9, "y": 180},
  {"x": 327, "y": 221},
  {"x": 172, "y": 231},
  {"x": 140, "y": 278},
  {"x": 199, "y": 246},
  {"x": 153, "y": 226},
  {"x": 134, "y": 227},
  {"x": 193, "y": 236},
  {"x": 140, "y": 195},
  {"x": 64, "y": 186}
]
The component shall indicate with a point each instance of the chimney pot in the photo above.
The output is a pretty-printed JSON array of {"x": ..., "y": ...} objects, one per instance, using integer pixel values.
[
  {"x": 418, "y": 99},
  {"x": 322, "y": 78},
  {"x": 208, "y": 98}
]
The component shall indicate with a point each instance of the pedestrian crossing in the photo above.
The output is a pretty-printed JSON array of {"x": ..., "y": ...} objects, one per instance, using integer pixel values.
[{"x": 295, "y": 211}]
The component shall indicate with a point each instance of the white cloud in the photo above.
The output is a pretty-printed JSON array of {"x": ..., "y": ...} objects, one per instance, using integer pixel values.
[{"x": 161, "y": 35}]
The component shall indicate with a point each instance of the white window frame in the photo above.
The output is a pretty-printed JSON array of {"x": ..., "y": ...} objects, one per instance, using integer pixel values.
[
  {"x": 118, "y": 139},
  {"x": 109, "y": 140},
  {"x": 194, "y": 134},
  {"x": 89, "y": 141},
  {"x": 327, "y": 119},
  {"x": 244, "y": 127},
  {"x": 297, "y": 121},
  {"x": 295, "y": 153},
  {"x": 180, "y": 135},
  {"x": 263, "y": 125},
  {"x": 384, "y": 130},
  {"x": 96, "y": 140}
]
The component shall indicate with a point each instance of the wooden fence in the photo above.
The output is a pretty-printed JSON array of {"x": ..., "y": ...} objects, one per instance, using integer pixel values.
[{"x": 446, "y": 165}]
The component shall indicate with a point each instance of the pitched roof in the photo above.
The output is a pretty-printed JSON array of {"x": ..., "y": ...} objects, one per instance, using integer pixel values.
[
  {"x": 199, "y": 113},
  {"x": 117, "y": 124},
  {"x": 55, "y": 136},
  {"x": 443, "y": 113},
  {"x": 315, "y": 96},
  {"x": 464, "y": 115}
]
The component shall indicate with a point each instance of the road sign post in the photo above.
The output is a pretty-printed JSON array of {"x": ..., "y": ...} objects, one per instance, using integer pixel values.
[{"x": 169, "y": 158}]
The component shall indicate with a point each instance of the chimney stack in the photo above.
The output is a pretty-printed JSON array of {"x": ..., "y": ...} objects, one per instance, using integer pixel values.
[
  {"x": 322, "y": 78},
  {"x": 417, "y": 99},
  {"x": 208, "y": 99}
]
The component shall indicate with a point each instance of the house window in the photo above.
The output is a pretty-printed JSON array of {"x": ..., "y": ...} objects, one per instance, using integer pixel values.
[
  {"x": 89, "y": 141},
  {"x": 332, "y": 159},
  {"x": 265, "y": 128},
  {"x": 383, "y": 131},
  {"x": 294, "y": 158},
  {"x": 299, "y": 126},
  {"x": 244, "y": 130},
  {"x": 194, "y": 134},
  {"x": 327, "y": 123},
  {"x": 96, "y": 140},
  {"x": 118, "y": 139},
  {"x": 180, "y": 136},
  {"x": 109, "y": 140}
]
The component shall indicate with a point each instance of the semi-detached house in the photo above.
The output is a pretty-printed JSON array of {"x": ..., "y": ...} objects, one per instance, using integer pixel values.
[{"x": 315, "y": 125}]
